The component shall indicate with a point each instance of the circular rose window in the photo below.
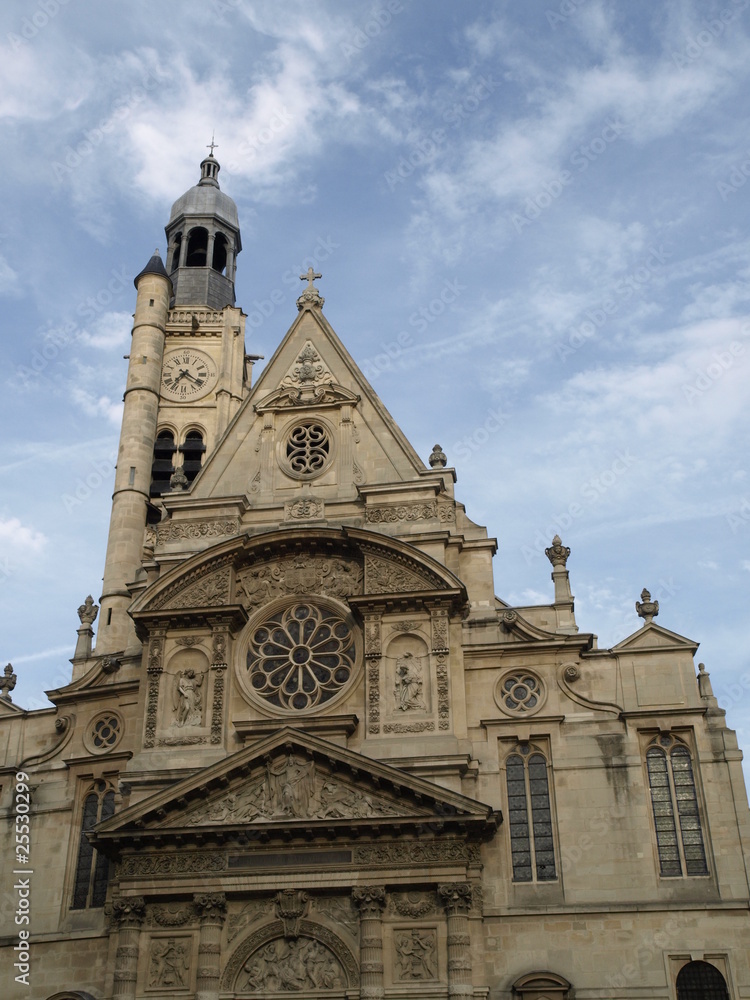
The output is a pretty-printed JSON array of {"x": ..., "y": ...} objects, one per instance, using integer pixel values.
[
  {"x": 300, "y": 656},
  {"x": 520, "y": 693},
  {"x": 305, "y": 449},
  {"x": 104, "y": 732}
]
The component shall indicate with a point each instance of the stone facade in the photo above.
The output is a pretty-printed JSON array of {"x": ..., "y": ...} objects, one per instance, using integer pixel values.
[{"x": 313, "y": 753}]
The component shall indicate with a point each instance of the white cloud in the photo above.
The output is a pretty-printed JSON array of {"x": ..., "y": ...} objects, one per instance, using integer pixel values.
[
  {"x": 97, "y": 406},
  {"x": 16, "y": 536}
]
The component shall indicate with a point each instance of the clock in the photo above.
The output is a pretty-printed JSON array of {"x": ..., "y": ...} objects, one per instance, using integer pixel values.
[{"x": 187, "y": 374}]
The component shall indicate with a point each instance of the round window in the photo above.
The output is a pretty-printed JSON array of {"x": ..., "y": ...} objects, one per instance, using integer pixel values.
[
  {"x": 104, "y": 732},
  {"x": 306, "y": 449},
  {"x": 520, "y": 692},
  {"x": 300, "y": 656}
]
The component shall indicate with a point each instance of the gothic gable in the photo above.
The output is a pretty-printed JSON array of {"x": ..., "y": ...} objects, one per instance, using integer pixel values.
[{"x": 654, "y": 637}]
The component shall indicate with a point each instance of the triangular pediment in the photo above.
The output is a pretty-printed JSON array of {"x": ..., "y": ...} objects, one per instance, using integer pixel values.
[
  {"x": 295, "y": 780},
  {"x": 654, "y": 637},
  {"x": 310, "y": 373}
]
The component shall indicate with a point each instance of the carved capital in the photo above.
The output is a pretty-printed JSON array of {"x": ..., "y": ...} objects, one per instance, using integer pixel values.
[
  {"x": 370, "y": 899},
  {"x": 211, "y": 906},
  {"x": 129, "y": 911},
  {"x": 455, "y": 897}
]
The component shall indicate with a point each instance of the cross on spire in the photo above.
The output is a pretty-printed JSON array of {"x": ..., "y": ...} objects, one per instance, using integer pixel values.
[
  {"x": 310, "y": 277},
  {"x": 213, "y": 146}
]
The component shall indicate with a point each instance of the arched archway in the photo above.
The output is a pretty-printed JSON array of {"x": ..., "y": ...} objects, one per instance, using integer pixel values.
[{"x": 701, "y": 981}]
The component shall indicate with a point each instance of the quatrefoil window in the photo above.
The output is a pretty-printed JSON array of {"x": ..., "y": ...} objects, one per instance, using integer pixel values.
[
  {"x": 104, "y": 732},
  {"x": 520, "y": 692},
  {"x": 300, "y": 657},
  {"x": 308, "y": 448}
]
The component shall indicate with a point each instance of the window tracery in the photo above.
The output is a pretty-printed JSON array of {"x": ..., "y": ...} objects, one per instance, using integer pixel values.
[
  {"x": 530, "y": 816},
  {"x": 92, "y": 867},
  {"x": 674, "y": 803}
]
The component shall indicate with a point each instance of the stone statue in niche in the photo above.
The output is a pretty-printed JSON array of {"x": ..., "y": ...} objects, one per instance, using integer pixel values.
[
  {"x": 415, "y": 955},
  {"x": 284, "y": 966},
  {"x": 187, "y": 701},
  {"x": 409, "y": 683},
  {"x": 168, "y": 963}
]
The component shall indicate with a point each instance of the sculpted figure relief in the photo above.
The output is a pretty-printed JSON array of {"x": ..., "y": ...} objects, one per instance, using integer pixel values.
[
  {"x": 292, "y": 966},
  {"x": 168, "y": 963},
  {"x": 299, "y": 575},
  {"x": 415, "y": 955},
  {"x": 408, "y": 689},
  {"x": 188, "y": 698},
  {"x": 291, "y": 785}
]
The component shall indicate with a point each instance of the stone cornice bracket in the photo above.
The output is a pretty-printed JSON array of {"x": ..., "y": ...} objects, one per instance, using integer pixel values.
[
  {"x": 370, "y": 900},
  {"x": 455, "y": 897},
  {"x": 211, "y": 906},
  {"x": 128, "y": 911},
  {"x": 646, "y": 608}
]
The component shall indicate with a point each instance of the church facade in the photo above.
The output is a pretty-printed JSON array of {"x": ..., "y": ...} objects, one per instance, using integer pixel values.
[{"x": 311, "y": 752}]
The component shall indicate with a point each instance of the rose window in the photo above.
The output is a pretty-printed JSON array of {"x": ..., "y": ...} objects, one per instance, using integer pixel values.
[
  {"x": 103, "y": 733},
  {"x": 308, "y": 448},
  {"x": 519, "y": 692},
  {"x": 300, "y": 657}
]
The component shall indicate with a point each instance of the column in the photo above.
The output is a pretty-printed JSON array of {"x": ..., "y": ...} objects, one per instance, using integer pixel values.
[
  {"x": 370, "y": 900},
  {"x": 456, "y": 899},
  {"x": 128, "y": 914},
  {"x": 212, "y": 910}
]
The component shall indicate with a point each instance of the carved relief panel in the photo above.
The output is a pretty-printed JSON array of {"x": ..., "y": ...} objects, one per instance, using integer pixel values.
[
  {"x": 408, "y": 680},
  {"x": 414, "y": 953},
  {"x": 184, "y": 712},
  {"x": 166, "y": 964}
]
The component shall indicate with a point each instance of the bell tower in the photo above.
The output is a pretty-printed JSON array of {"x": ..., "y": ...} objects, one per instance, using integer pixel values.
[{"x": 187, "y": 376}]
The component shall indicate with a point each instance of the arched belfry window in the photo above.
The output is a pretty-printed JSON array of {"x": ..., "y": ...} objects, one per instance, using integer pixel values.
[
  {"x": 674, "y": 801},
  {"x": 192, "y": 449},
  {"x": 219, "y": 261},
  {"x": 701, "y": 981},
  {"x": 92, "y": 868},
  {"x": 177, "y": 246},
  {"x": 163, "y": 464},
  {"x": 197, "y": 250},
  {"x": 530, "y": 815}
]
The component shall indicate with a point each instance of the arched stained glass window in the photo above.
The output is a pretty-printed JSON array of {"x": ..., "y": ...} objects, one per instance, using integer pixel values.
[
  {"x": 674, "y": 801},
  {"x": 530, "y": 816},
  {"x": 92, "y": 867}
]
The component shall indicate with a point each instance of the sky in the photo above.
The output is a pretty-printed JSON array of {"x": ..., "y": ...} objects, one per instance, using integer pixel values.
[{"x": 532, "y": 224}]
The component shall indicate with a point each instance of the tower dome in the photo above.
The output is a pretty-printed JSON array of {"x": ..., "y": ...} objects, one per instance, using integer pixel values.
[{"x": 203, "y": 239}]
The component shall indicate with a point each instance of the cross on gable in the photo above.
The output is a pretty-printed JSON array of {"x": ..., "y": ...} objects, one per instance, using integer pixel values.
[{"x": 310, "y": 276}]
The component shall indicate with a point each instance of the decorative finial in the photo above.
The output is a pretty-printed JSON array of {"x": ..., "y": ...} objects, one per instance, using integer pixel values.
[
  {"x": 646, "y": 608},
  {"x": 8, "y": 683},
  {"x": 438, "y": 458},
  {"x": 178, "y": 481},
  {"x": 557, "y": 553},
  {"x": 88, "y": 611},
  {"x": 214, "y": 145},
  {"x": 311, "y": 296}
]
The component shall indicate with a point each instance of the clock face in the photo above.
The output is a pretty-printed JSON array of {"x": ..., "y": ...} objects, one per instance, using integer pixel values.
[{"x": 187, "y": 374}]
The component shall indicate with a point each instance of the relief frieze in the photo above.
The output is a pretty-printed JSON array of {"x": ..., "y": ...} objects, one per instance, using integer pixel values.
[
  {"x": 393, "y": 513},
  {"x": 299, "y": 574},
  {"x": 173, "y": 531}
]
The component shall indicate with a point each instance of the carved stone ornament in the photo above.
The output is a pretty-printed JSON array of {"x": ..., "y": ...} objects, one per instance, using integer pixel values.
[
  {"x": 171, "y": 916},
  {"x": 557, "y": 553},
  {"x": 455, "y": 897},
  {"x": 292, "y": 966},
  {"x": 291, "y": 906},
  {"x": 299, "y": 574},
  {"x": 393, "y": 513},
  {"x": 169, "y": 963},
  {"x": 370, "y": 900},
  {"x": 128, "y": 911},
  {"x": 110, "y": 664},
  {"x": 413, "y": 904},
  {"x": 88, "y": 611},
  {"x": 441, "y": 671},
  {"x": 178, "y": 481},
  {"x": 210, "y": 591},
  {"x": 249, "y": 913},
  {"x": 407, "y": 626},
  {"x": 187, "y": 698},
  {"x": 646, "y": 608},
  {"x": 308, "y": 369},
  {"x": 173, "y": 863},
  {"x": 409, "y": 727},
  {"x": 416, "y": 955},
  {"x": 291, "y": 788},
  {"x": 211, "y": 905},
  {"x": 409, "y": 683},
  {"x": 386, "y": 576},
  {"x": 410, "y": 854},
  {"x": 339, "y": 911},
  {"x": 173, "y": 531},
  {"x": 440, "y": 631},
  {"x": 303, "y": 509},
  {"x": 8, "y": 682},
  {"x": 438, "y": 458},
  {"x": 310, "y": 297}
]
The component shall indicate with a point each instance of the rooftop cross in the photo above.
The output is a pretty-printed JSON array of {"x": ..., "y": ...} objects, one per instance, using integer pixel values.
[
  {"x": 213, "y": 146},
  {"x": 310, "y": 277}
]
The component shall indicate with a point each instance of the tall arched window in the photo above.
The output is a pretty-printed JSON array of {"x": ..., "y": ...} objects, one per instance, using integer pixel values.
[
  {"x": 197, "y": 250},
  {"x": 701, "y": 981},
  {"x": 674, "y": 802},
  {"x": 92, "y": 868},
  {"x": 192, "y": 449},
  {"x": 176, "y": 251},
  {"x": 530, "y": 816},
  {"x": 219, "y": 262},
  {"x": 163, "y": 464}
]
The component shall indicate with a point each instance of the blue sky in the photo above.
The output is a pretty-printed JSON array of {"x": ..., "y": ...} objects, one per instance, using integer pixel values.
[{"x": 531, "y": 221}]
